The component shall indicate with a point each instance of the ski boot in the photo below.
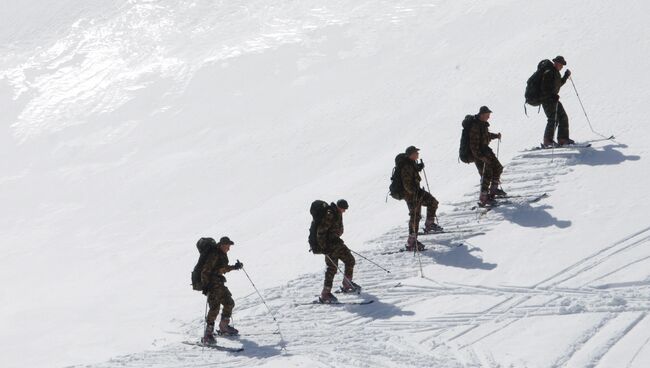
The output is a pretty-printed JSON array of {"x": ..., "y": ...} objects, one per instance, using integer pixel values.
[
  {"x": 326, "y": 296},
  {"x": 225, "y": 329},
  {"x": 565, "y": 142},
  {"x": 431, "y": 227},
  {"x": 208, "y": 335},
  {"x": 412, "y": 243},
  {"x": 549, "y": 143},
  {"x": 350, "y": 287},
  {"x": 484, "y": 200},
  {"x": 496, "y": 192}
]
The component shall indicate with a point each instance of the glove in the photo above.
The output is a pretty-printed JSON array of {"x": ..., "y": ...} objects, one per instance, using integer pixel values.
[
  {"x": 498, "y": 135},
  {"x": 420, "y": 166},
  {"x": 238, "y": 266},
  {"x": 555, "y": 98},
  {"x": 567, "y": 74},
  {"x": 206, "y": 289}
]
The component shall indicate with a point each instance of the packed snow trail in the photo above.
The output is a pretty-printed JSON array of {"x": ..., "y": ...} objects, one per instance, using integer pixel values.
[{"x": 421, "y": 322}]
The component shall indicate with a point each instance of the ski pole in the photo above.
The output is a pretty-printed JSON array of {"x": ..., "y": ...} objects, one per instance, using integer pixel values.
[
  {"x": 425, "y": 177},
  {"x": 417, "y": 247},
  {"x": 584, "y": 111},
  {"x": 264, "y": 301},
  {"x": 498, "y": 146},
  {"x": 205, "y": 319},
  {"x": 557, "y": 124},
  {"x": 369, "y": 260}
]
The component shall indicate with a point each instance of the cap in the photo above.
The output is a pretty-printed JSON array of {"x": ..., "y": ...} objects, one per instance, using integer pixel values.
[
  {"x": 484, "y": 109},
  {"x": 411, "y": 149},
  {"x": 342, "y": 203},
  {"x": 225, "y": 241},
  {"x": 560, "y": 60}
]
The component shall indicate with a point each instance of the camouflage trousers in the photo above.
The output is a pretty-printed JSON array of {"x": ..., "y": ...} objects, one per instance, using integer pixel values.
[
  {"x": 338, "y": 252},
  {"x": 492, "y": 173},
  {"x": 550, "y": 109},
  {"x": 219, "y": 295},
  {"x": 415, "y": 203}
]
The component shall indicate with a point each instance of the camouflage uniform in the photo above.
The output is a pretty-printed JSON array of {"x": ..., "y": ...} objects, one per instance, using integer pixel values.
[
  {"x": 550, "y": 89},
  {"x": 218, "y": 294},
  {"x": 328, "y": 236},
  {"x": 416, "y": 197},
  {"x": 488, "y": 165}
]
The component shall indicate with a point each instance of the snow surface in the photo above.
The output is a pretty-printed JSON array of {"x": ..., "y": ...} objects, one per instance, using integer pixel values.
[{"x": 132, "y": 128}]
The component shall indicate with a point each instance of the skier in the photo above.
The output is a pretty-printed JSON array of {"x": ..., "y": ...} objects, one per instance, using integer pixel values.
[
  {"x": 416, "y": 197},
  {"x": 549, "y": 94},
  {"x": 218, "y": 294},
  {"x": 488, "y": 165},
  {"x": 328, "y": 236}
]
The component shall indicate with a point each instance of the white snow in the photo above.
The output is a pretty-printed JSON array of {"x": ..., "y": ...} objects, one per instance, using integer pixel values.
[{"x": 132, "y": 128}]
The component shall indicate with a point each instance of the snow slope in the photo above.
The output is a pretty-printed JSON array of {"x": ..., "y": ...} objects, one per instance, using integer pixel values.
[{"x": 131, "y": 129}]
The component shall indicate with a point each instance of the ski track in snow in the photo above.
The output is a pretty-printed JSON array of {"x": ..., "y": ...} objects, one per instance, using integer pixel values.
[{"x": 448, "y": 339}]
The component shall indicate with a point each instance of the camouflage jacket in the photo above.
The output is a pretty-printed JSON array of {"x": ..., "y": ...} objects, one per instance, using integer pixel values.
[
  {"x": 410, "y": 178},
  {"x": 552, "y": 81},
  {"x": 479, "y": 139},
  {"x": 214, "y": 268},
  {"x": 330, "y": 229}
]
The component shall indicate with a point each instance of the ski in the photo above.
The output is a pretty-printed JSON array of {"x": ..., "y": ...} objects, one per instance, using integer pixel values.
[
  {"x": 362, "y": 302},
  {"x": 213, "y": 346},
  {"x": 506, "y": 200},
  {"x": 356, "y": 292},
  {"x": 445, "y": 232},
  {"x": 249, "y": 334},
  {"x": 401, "y": 250},
  {"x": 575, "y": 145}
]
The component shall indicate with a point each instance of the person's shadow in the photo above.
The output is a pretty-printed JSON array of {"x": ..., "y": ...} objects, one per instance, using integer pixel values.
[
  {"x": 523, "y": 214},
  {"x": 377, "y": 309},
  {"x": 254, "y": 350},
  {"x": 607, "y": 155},
  {"x": 462, "y": 257}
]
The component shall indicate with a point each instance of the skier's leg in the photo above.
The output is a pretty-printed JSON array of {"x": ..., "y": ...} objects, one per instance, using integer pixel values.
[
  {"x": 549, "y": 132},
  {"x": 214, "y": 301},
  {"x": 330, "y": 271},
  {"x": 228, "y": 305},
  {"x": 431, "y": 203},
  {"x": 563, "y": 125}
]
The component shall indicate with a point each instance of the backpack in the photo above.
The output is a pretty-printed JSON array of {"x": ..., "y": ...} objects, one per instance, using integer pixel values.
[
  {"x": 464, "y": 152},
  {"x": 318, "y": 211},
  {"x": 205, "y": 247},
  {"x": 534, "y": 84},
  {"x": 396, "y": 187}
]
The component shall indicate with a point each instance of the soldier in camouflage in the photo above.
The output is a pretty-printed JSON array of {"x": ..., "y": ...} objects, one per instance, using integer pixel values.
[
  {"x": 555, "y": 113},
  {"x": 213, "y": 281},
  {"x": 416, "y": 197},
  {"x": 487, "y": 164},
  {"x": 328, "y": 235}
]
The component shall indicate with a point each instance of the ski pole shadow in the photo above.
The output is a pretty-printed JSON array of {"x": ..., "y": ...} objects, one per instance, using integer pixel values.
[
  {"x": 608, "y": 155},
  {"x": 254, "y": 350},
  {"x": 524, "y": 214},
  {"x": 461, "y": 257}
]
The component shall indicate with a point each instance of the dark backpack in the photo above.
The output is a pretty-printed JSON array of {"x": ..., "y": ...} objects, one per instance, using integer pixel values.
[
  {"x": 464, "y": 152},
  {"x": 533, "y": 92},
  {"x": 396, "y": 188},
  {"x": 318, "y": 211},
  {"x": 205, "y": 247}
]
